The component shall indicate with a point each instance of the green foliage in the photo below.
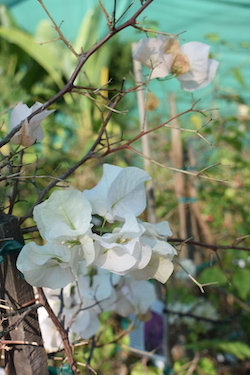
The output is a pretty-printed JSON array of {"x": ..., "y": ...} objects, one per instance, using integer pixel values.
[
  {"x": 139, "y": 369},
  {"x": 27, "y": 44},
  {"x": 240, "y": 281},
  {"x": 238, "y": 76},
  {"x": 213, "y": 274},
  {"x": 239, "y": 349}
]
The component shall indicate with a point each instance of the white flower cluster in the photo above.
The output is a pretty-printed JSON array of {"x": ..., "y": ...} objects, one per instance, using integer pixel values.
[
  {"x": 133, "y": 248},
  {"x": 189, "y": 63},
  {"x": 80, "y": 304},
  {"x": 99, "y": 273}
]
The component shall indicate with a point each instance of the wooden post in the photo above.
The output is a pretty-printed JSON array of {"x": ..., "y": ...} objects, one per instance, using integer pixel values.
[
  {"x": 191, "y": 221},
  {"x": 26, "y": 354},
  {"x": 177, "y": 159}
]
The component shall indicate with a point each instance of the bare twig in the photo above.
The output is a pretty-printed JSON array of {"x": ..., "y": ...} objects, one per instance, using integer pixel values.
[
  {"x": 58, "y": 30},
  {"x": 60, "y": 329},
  {"x": 194, "y": 174},
  {"x": 90, "y": 154},
  {"x": 210, "y": 246},
  {"x": 14, "y": 326},
  {"x": 81, "y": 61}
]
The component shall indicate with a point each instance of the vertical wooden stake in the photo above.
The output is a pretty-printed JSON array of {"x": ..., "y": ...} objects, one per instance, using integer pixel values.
[{"x": 28, "y": 357}]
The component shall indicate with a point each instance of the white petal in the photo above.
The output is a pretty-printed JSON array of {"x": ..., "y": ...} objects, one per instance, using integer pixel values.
[
  {"x": 86, "y": 324},
  {"x": 41, "y": 254},
  {"x": 119, "y": 192},
  {"x": 127, "y": 194},
  {"x": 115, "y": 258},
  {"x": 98, "y": 195},
  {"x": 197, "y": 54},
  {"x": 159, "y": 268},
  {"x": 124, "y": 306},
  {"x": 52, "y": 341},
  {"x": 88, "y": 249},
  {"x": 45, "y": 266},
  {"x": 149, "y": 52},
  {"x": 144, "y": 291},
  {"x": 193, "y": 85},
  {"x": 65, "y": 215},
  {"x": 157, "y": 230},
  {"x": 32, "y": 131},
  {"x": 35, "y": 121},
  {"x": 132, "y": 228},
  {"x": 19, "y": 113},
  {"x": 164, "y": 271},
  {"x": 96, "y": 287},
  {"x": 134, "y": 296},
  {"x": 24, "y": 136}
]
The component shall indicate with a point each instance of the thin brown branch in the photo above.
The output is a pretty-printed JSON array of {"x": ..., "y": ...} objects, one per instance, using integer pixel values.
[
  {"x": 15, "y": 325},
  {"x": 13, "y": 342},
  {"x": 21, "y": 310},
  {"x": 15, "y": 190},
  {"x": 60, "y": 329},
  {"x": 194, "y": 174},
  {"x": 90, "y": 154},
  {"x": 141, "y": 28},
  {"x": 58, "y": 30},
  {"x": 127, "y": 144},
  {"x": 82, "y": 60},
  {"x": 210, "y": 246}
]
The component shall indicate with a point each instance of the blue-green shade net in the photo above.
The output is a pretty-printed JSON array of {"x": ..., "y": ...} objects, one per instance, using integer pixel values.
[{"x": 10, "y": 247}]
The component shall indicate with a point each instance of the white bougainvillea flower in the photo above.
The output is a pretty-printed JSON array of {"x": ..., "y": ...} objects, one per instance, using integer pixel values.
[
  {"x": 46, "y": 266},
  {"x": 120, "y": 191},
  {"x": 121, "y": 252},
  {"x": 158, "y": 230},
  {"x": 64, "y": 216},
  {"x": 134, "y": 297},
  {"x": 192, "y": 67},
  {"x": 86, "y": 324},
  {"x": 31, "y": 131},
  {"x": 150, "y": 52},
  {"x": 96, "y": 294},
  {"x": 80, "y": 304},
  {"x": 160, "y": 266},
  {"x": 190, "y": 63}
]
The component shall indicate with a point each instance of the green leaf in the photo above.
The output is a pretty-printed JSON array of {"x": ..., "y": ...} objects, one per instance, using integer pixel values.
[
  {"x": 37, "y": 52},
  {"x": 237, "y": 348},
  {"x": 240, "y": 281},
  {"x": 88, "y": 32},
  {"x": 213, "y": 38},
  {"x": 213, "y": 274},
  {"x": 207, "y": 365},
  {"x": 237, "y": 73}
]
